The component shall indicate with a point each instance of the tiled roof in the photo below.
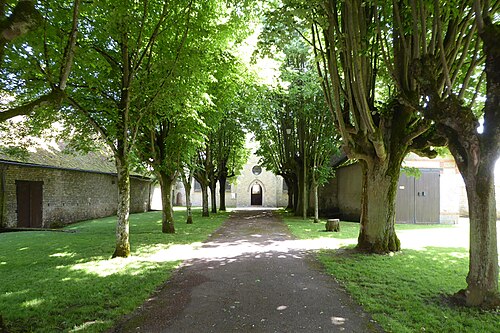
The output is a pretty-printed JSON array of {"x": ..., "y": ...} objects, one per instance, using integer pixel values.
[{"x": 56, "y": 156}]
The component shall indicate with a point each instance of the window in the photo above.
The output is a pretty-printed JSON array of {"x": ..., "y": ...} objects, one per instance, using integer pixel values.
[{"x": 257, "y": 170}]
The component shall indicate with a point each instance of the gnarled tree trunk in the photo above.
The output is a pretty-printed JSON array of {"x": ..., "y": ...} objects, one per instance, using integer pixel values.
[
  {"x": 167, "y": 216},
  {"x": 482, "y": 280},
  {"x": 378, "y": 206},
  {"x": 122, "y": 248}
]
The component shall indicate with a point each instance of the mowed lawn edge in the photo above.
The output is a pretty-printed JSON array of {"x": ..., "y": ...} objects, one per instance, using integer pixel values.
[
  {"x": 67, "y": 281},
  {"x": 408, "y": 291}
]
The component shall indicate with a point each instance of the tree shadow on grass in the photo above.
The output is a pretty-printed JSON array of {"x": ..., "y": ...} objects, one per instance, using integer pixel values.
[
  {"x": 53, "y": 282},
  {"x": 410, "y": 290}
]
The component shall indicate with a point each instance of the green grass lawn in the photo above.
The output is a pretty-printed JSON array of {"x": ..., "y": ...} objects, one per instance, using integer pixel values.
[
  {"x": 407, "y": 291},
  {"x": 66, "y": 282},
  {"x": 306, "y": 229}
]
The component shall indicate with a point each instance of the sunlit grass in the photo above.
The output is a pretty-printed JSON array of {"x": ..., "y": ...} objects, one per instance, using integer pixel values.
[
  {"x": 405, "y": 292},
  {"x": 67, "y": 282},
  {"x": 306, "y": 229}
]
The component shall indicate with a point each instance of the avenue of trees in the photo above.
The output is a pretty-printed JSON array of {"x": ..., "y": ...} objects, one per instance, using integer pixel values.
[
  {"x": 404, "y": 76},
  {"x": 159, "y": 83},
  {"x": 154, "y": 80},
  {"x": 293, "y": 126}
]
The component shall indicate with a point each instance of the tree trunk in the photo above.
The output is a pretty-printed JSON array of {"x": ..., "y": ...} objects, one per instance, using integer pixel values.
[
  {"x": 296, "y": 195},
  {"x": 289, "y": 187},
  {"x": 477, "y": 166},
  {"x": 378, "y": 207},
  {"x": 300, "y": 187},
  {"x": 213, "y": 196},
  {"x": 187, "y": 188},
  {"x": 305, "y": 199},
  {"x": 482, "y": 280},
  {"x": 222, "y": 193},
  {"x": 122, "y": 227},
  {"x": 204, "y": 199},
  {"x": 316, "y": 208},
  {"x": 167, "y": 216}
]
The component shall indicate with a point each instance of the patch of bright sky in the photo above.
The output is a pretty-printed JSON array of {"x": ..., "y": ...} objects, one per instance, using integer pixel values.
[{"x": 266, "y": 69}]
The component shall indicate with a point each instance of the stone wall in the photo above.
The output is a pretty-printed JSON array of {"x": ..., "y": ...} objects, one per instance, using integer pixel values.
[{"x": 69, "y": 195}]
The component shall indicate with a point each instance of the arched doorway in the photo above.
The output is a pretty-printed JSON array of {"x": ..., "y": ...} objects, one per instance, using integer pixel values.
[
  {"x": 179, "y": 199},
  {"x": 256, "y": 195}
]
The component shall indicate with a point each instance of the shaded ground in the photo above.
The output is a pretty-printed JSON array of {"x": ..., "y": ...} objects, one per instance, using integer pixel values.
[{"x": 248, "y": 279}]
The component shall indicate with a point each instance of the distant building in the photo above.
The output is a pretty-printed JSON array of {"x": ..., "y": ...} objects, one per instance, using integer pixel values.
[
  {"x": 437, "y": 196},
  {"x": 49, "y": 188},
  {"x": 254, "y": 187}
]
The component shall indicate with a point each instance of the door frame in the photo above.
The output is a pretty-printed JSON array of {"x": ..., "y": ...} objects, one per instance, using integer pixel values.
[{"x": 256, "y": 199}]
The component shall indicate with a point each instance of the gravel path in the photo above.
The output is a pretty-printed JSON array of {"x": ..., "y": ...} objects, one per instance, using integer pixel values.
[{"x": 248, "y": 281}]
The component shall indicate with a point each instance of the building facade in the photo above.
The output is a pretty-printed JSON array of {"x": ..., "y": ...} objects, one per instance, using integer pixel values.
[
  {"x": 47, "y": 196},
  {"x": 254, "y": 187}
]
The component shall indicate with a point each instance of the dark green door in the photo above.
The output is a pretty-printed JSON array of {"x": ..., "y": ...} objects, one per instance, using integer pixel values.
[{"x": 29, "y": 203}]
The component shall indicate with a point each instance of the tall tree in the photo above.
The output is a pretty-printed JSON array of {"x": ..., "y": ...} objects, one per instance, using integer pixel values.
[
  {"x": 273, "y": 127},
  {"x": 302, "y": 126},
  {"x": 446, "y": 67},
  {"x": 174, "y": 127},
  {"x": 376, "y": 128},
  {"x": 114, "y": 50}
]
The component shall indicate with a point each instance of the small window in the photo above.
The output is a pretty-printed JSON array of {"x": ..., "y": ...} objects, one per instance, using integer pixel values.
[
  {"x": 257, "y": 170},
  {"x": 228, "y": 187}
]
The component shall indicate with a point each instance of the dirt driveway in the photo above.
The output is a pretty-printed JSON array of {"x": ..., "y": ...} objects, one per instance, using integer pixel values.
[{"x": 247, "y": 280}]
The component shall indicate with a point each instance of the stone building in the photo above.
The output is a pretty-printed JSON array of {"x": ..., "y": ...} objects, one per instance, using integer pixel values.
[
  {"x": 254, "y": 187},
  {"x": 437, "y": 196},
  {"x": 49, "y": 188}
]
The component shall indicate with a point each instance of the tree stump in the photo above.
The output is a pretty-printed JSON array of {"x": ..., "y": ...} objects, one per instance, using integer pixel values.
[{"x": 333, "y": 225}]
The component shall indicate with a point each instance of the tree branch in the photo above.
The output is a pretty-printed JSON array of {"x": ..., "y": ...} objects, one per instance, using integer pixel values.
[
  {"x": 69, "y": 51},
  {"x": 54, "y": 98}
]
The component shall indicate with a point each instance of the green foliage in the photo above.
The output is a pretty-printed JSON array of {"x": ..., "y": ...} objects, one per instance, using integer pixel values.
[
  {"x": 292, "y": 123},
  {"x": 411, "y": 171},
  {"x": 64, "y": 281},
  {"x": 32, "y": 64}
]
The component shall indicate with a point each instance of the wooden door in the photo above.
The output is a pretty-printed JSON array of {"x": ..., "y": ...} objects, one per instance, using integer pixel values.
[
  {"x": 427, "y": 205},
  {"x": 405, "y": 200},
  {"x": 29, "y": 204},
  {"x": 256, "y": 195},
  {"x": 417, "y": 199}
]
